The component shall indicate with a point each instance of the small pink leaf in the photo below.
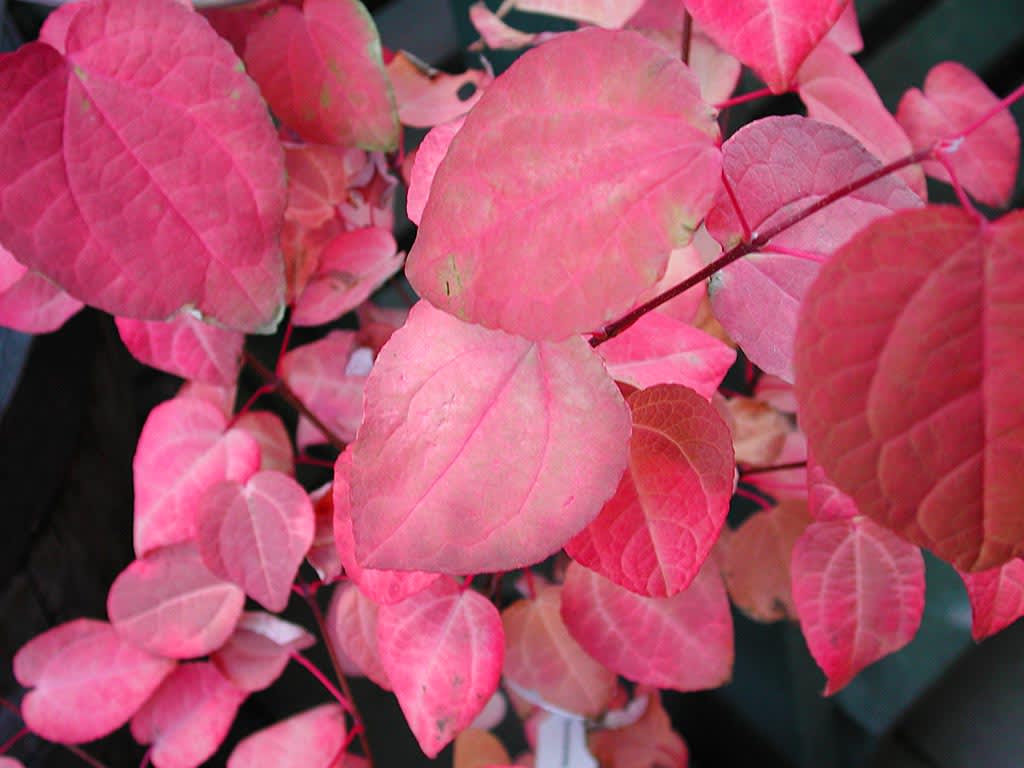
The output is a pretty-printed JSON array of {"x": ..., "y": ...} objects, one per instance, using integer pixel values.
[
  {"x": 429, "y": 155},
  {"x": 188, "y": 716},
  {"x": 650, "y": 742},
  {"x": 859, "y": 593},
  {"x": 269, "y": 431},
  {"x": 186, "y": 347},
  {"x": 28, "y": 301},
  {"x": 169, "y": 604},
  {"x": 445, "y": 401},
  {"x": 184, "y": 450},
  {"x": 310, "y": 739},
  {"x": 442, "y": 650},
  {"x": 682, "y": 642},
  {"x": 323, "y": 552},
  {"x": 87, "y": 681},
  {"x": 641, "y": 175},
  {"x": 427, "y": 97},
  {"x": 939, "y": 463},
  {"x": 10, "y": 762},
  {"x": 94, "y": 203},
  {"x": 954, "y": 98},
  {"x": 259, "y": 649},
  {"x": 496, "y": 34},
  {"x": 654, "y": 534},
  {"x": 825, "y": 501},
  {"x": 257, "y": 534},
  {"x": 603, "y": 13},
  {"x": 352, "y": 624},
  {"x": 997, "y": 597},
  {"x": 321, "y": 71}
]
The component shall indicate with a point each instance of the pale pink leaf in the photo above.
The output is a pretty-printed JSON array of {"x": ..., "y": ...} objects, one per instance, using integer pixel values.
[
  {"x": 10, "y": 762},
  {"x": 859, "y": 592},
  {"x": 772, "y": 37},
  {"x": 776, "y": 392},
  {"x": 257, "y": 534},
  {"x": 136, "y": 226},
  {"x": 186, "y": 347},
  {"x": 442, "y": 650},
  {"x": 259, "y": 649},
  {"x": 650, "y": 742},
  {"x": 495, "y": 33},
  {"x": 776, "y": 167},
  {"x": 604, "y": 13},
  {"x": 323, "y": 552},
  {"x": 310, "y": 739},
  {"x": 320, "y": 70},
  {"x": 86, "y": 681},
  {"x": 846, "y": 32},
  {"x": 28, "y": 301},
  {"x": 954, "y": 98},
  {"x": 188, "y": 716},
  {"x": 542, "y": 658},
  {"x": 593, "y": 227},
  {"x": 269, "y": 431},
  {"x": 429, "y": 155},
  {"x": 427, "y": 97},
  {"x": 788, "y": 483},
  {"x": 997, "y": 597},
  {"x": 185, "y": 448},
  {"x": 758, "y": 430},
  {"x": 221, "y": 398},
  {"x": 445, "y": 401},
  {"x": 683, "y": 642},
  {"x": 352, "y": 625},
  {"x": 170, "y": 604},
  {"x": 825, "y": 501},
  {"x": 937, "y": 463}
]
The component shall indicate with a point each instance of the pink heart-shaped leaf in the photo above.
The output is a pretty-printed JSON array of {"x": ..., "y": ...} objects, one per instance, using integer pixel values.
[
  {"x": 352, "y": 624},
  {"x": 310, "y": 739},
  {"x": 259, "y": 649}
]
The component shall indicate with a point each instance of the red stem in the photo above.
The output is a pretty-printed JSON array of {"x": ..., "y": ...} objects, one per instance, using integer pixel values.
[
  {"x": 743, "y": 98},
  {"x": 315, "y": 672},
  {"x": 312, "y": 461},
  {"x": 531, "y": 587},
  {"x": 760, "y": 501},
  {"x": 744, "y": 472},
  {"x": 145, "y": 758},
  {"x": 263, "y": 389},
  {"x": 786, "y": 251},
  {"x": 965, "y": 201},
  {"x": 6, "y": 746},
  {"x": 736, "y": 206},
  {"x": 1004, "y": 103},
  {"x": 467, "y": 582},
  {"x": 284, "y": 345}
]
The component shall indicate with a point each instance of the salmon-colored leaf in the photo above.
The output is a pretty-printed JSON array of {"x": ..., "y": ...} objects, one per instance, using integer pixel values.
[
  {"x": 604, "y": 13},
  {"x": 476, "y": 748},
  {"x": 427, "y": 97},
  {"x": 259, "y": 649},
  {"x": 650, "y": 742},
  {"x": 310, "y": 739},
  {"x": 758, "y": 430},
  {"x": 496, "y": 34},
  {"x": 997, "y": 597},
  {"x": 186, "y": 347}
]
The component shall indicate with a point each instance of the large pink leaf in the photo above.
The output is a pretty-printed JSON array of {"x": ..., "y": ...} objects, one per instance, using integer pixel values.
[
  {"x": 604, "y": 13},
  {"x": 259, "y": 649},
  {"x": 170, "y": 604},
  {"x": 185, "y": 448},
  {"x": 772, "y": 37},
  {"x": 188, "y": 716},
  {"x": 139, "y": 171},
  {"x": 776, "y": 167},
  {"x": 591, "y": 226},
  {"x": 257, "y": 534},
  {"x": 186, "y": 347},
  {"x": 28, "y": 301},
  {"x": 543, "y": 659},
  {"x": 682, "y": 642},
  {"x": 352, "y": 626},
  {"x": 310, "y": 739},
  {"x": 933, "y": 297},
  {"x": 442, "y": 650},
  {"x": 859, "y": 592},
  {"x": 997, "y": 597},
  {"x": 321, "y": 71},
  {"x": 86, "y": 681},
  {"x": 445, "y": 402},
  {"x": 954, "y": 98},
  {"x": 654, "y": 534},
  {"x": 428, "y": 97}
]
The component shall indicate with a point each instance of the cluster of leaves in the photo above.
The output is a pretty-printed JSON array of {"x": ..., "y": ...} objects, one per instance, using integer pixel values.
[{"x": 590, "y": 254}]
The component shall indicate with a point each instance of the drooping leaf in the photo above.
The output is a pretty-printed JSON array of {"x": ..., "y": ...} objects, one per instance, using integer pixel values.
[
  {"x": 772, "y": 37},
  {"x": 427, "y": 97},
  {"x": 585, "y": 232},
  {"x": 442, "y": 650},
  {"x": 170, "y": 604},
  {"x": 937, "y": 463},
  {"x": 859, "y": 592},
  {"x": 774, "y": 173},
  {"x": 445, "y": 401},
  {"x": 259, "y": 649},
  {"x": 650, "y": 742},
  {"x": 352, "y": 624},
  {"x": 997, "y": 597},
  {"x": 310, "y": 739},
  {"x": 186, "y": 347},
  {"x": 683, "y": 642},
  {"x": 654, "y": 534},
  {"x": 188, "y": 716},
  {"x": 604, "y": 13},
  {"x": 86, "y": 681},
  {"x": 429, "y": 155},
  {"x": 320, "y": 70},
  {"x": 139, "y": 171}
]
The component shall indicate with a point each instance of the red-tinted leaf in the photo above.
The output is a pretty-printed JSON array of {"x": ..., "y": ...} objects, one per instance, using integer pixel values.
[
  {"x": 496, "y": 34},
  {"x": 592, "y": 228},
  {"x": 233, "y": 22},
  {"x": 258, "y": 651},
  {"x": 87, "y": 681},
  {"x": 257, "y": 534},
  {"x": 758, "y": 430},
  {"x": 682, "y": 263},
  {"x": 221, "y": 398},
  {"x": 186, "y": 347},
  {"x": 774, "y": 172},
  {"x": 542, "y": 658},
  {"x": 825, "y": 501},
  {"x": 756, "y": 562},
  {"x": 188, "y": 716},
  {"x": 323, "y": 552},
  {"x": 376, "y": 324},
  {"x": 777, "y": 393},
  {"x": 938, "y": 463},
  {"x": 445, "y": 401},
  {"x": 28, "y": 301},
  {"x": 954, "y": 98},
  {"x": 169, "y": 604},
  {"x": 788, "y": 483},
  {"x": 654, "y": 534},
  {"x": 772, "y": 37},
  {"x": 183, "y": 451},
  {"x": 269, "y": 431},
  {"x": 997, "y": 597},
  {"x": 661, "y": 350},
  {"x": 429, "y": 155},
  {"x": 95, "y": 203},
  {"x": 428, "y": 97},
  {"x": 650, "y": 742},
  {"x": 321, "y": 71},
  {"x": 442, "y": 650},
  {"x": 318, "y": 180},
  {"x": 859, "y": 592},
  {"x": 352, "y": 624},
  {"x": 604, "y": 13},
  {"x": 310, "y": 739}
]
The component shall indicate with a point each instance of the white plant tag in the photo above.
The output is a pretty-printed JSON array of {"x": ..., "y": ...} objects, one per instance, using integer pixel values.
[{"x": 562, "y": 743}]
